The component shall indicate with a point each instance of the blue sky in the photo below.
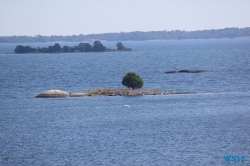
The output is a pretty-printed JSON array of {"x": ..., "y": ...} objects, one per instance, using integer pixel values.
[{"x": 74, "y": 17}]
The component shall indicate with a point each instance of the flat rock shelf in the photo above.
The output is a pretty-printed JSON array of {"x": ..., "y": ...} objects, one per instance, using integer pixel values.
[{"x": 116, "y": 92}]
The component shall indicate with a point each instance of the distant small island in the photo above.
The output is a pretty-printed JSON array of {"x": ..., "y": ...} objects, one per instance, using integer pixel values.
[{"x": 81, "y": 47}]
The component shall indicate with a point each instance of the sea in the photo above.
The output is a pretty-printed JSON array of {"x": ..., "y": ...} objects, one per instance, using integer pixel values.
[{"x": 209, "y": 127}]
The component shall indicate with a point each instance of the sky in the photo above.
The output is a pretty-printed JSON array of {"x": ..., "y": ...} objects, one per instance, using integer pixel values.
[{"x": 74, "y": 17}]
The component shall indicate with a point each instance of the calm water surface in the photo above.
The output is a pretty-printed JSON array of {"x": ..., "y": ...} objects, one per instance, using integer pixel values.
[{"x": 198, "y": 129}]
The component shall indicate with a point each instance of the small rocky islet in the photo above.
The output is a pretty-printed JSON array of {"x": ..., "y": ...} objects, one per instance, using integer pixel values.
[
  {"x": 118, "y": 92},
  {"x": 106, "y": 92}
]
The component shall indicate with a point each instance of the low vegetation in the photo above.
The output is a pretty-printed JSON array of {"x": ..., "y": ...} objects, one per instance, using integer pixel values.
[{"x": 124, "y": 92}]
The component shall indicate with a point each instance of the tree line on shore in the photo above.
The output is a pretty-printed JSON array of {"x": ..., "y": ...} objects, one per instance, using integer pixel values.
[
  {"x": 81, "y": 47},
  {"x": 135, "y": 36}
]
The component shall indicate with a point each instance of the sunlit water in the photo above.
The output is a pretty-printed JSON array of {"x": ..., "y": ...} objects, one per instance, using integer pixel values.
[{"x": 197, "y": 129}]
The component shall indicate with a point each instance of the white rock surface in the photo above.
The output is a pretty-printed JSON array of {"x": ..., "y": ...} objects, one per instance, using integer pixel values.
[
  {"x": 81, "y": 94},
  {"x": 53, "y": 93}
]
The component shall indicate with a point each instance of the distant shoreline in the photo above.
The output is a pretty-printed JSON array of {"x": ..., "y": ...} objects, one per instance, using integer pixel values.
[{"x": 135, "y": 36}]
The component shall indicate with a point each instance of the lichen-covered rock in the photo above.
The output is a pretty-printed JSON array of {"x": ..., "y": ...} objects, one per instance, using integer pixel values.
[{"x": 53, "y": 93}]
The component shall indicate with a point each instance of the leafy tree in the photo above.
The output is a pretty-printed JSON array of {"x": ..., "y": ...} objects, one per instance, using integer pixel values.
[
  {"x": 55, "y": 48},
  {"x": 81, "y": 47},
  {"x": 88, "y": 47},
  {"x": 66, "y": 49},
  {"x": 132, "y": 80},
  {"x": 19, "y": 49},
  {"x": 98, "y": 46},
  {"x": 120, "y": 46},
  {"x": 84, "y": 47},
  {"x": 22, "y": 49},
  {"x": 27, "y": 49}
]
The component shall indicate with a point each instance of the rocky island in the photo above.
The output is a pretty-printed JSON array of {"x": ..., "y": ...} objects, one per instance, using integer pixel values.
[
  {"x": 131, "y": 80},
  {"x": 107, "y": 92}
]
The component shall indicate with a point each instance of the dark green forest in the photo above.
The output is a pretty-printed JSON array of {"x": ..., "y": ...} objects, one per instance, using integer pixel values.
[{"x": 134, "y": 36}]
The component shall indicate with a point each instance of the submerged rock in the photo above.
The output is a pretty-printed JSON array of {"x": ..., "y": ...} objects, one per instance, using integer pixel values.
[
  {"x": 187, "y": 71},
  {"x": 53, "y": 93},
  {"x": 172, "y": 71}
]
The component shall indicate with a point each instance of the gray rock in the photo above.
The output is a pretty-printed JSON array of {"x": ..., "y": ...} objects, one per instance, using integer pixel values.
[
  {"x": 193, "y": 71},
  {"x": 53, "y": 94},
  {"x": 81, "y": 94}
]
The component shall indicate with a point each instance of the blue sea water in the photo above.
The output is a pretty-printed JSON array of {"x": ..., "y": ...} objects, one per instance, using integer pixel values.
[{"x": 195, "y": 129}]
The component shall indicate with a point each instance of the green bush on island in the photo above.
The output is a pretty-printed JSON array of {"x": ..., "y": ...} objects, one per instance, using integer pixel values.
[
  {"x": 82, "y": 47},
  {"x": 132, "y": 80},
  {"x": 98, "y": 47},
  {"x": 121, "y": 47}
]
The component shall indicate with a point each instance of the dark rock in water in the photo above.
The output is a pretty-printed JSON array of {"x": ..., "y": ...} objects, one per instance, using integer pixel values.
[
  {"x": 53, "y": 94},
  {"x": 193, "y": 71},
  {"x": 172, "y": 71},
  {"x": 187, "y": 71},
  {"x": 184, "y": 71},
  {"x": 202, "y": 71}
]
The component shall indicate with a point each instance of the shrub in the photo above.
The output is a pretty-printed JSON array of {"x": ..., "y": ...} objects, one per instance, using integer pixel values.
[{"x": 132, "y": 80}]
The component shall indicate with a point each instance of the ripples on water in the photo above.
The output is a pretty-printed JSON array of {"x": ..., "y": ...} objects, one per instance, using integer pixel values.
[{"x": 195, "y": 129}]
